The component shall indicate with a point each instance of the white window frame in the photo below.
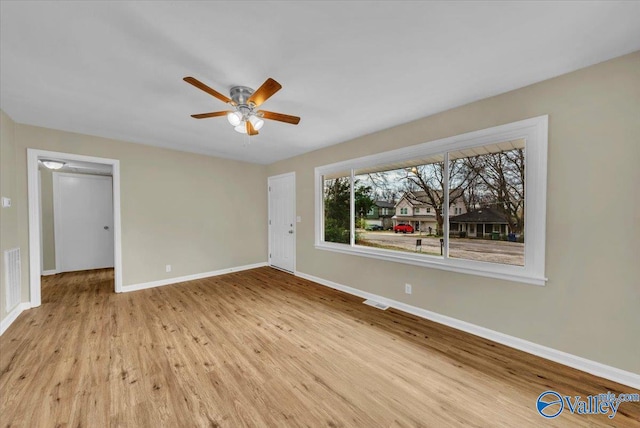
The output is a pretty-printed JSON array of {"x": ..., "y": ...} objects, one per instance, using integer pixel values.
[{"x": 534, "y": 131}]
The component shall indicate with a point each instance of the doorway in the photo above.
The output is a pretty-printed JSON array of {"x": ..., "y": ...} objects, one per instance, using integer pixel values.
[
  {"x": 282, "y": 221},
  {"x": 34, "y": 158},
  {"x": 83, "y": 217}
]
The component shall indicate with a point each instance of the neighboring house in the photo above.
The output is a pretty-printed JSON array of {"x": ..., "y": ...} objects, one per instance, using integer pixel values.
[
  {"x": 479, "y": 223},
  {"x": 414, "y": 208},
  {"x": 381, "y": 214}
]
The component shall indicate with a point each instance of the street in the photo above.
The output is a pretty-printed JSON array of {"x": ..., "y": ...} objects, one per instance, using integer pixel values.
[{"x": 505, "y": 252}]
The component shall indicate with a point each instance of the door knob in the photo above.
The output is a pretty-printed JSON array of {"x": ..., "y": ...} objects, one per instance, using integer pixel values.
[
  {"x": 291, "y": 231},
  {"x": 106, "y": 228}
]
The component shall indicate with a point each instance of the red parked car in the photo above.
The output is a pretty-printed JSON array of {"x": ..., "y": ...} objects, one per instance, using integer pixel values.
[{"x": 404, "y": 228}]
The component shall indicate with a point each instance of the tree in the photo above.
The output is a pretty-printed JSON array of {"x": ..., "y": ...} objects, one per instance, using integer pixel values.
[
  {"x": 382, "y": 188},
  {"x": 363, "y": 201},
  {"x": 337, "y": 212},
  {"x": 430, "y": 179},
  {"x": 500, "y": 178}
]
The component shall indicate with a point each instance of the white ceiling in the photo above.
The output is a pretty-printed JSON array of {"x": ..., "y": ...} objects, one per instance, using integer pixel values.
[{"x": 115, "y": 69}]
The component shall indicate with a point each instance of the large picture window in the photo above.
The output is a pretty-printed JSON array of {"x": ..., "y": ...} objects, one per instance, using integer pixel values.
[{"x": 473, "y": 203}]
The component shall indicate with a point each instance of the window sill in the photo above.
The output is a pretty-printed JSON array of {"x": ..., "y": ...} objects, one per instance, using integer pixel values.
[{"x": 470, "y": 267}]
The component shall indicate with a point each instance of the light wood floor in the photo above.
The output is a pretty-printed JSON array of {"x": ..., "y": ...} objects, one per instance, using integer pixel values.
[{"x": 263, "y": 348}]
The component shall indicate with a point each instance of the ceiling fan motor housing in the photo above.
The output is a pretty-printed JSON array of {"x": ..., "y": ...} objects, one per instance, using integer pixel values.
[{"x": 240, "y": 94}]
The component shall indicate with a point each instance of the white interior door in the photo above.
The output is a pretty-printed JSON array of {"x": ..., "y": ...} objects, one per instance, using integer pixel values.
[
  {"x": 282, "y": 221},
  {"x": 83, "y": 216}
]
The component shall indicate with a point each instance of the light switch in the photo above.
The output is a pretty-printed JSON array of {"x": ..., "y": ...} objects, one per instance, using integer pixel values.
[
  {"x": 298, "y": 219},
  {"x": 6, "y": 202}
]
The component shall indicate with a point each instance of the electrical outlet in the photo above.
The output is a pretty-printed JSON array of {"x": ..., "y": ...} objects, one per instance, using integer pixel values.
[
  {"x": 167, "y": 268},
  {"x": 407, "y": 288}
]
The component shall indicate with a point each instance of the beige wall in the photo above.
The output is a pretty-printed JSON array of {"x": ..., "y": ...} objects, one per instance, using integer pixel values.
[
  {"x": 48, "y": 235},
  {"x": 174, "y": 205},
  {"x": 590, "y": 306},
  {"x": 8, "y": 216}
]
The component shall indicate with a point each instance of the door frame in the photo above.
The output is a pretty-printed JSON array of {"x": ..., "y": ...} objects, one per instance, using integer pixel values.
[
  {"x": 56, "y": 210},
  {"x": 34, "y": 217},
  {"x": 295, "y": 218}
]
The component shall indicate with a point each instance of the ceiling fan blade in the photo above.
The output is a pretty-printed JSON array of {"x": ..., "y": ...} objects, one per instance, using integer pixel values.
[
  {"x": 264, "y": 92},
  {"x": 294, "y": 120},
  {"x": 212, "y": 114},
  {"x": 250, "y": 129},
  {"x": 198, "y": 84}
]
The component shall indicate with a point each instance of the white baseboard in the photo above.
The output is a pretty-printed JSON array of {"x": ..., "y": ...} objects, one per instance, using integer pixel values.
[
  {"x": 11, "y": 316},
  {"x": 583, "y": 364},
  {"x": 168, "y": 281},
  {"x": 49, "y": 272}
]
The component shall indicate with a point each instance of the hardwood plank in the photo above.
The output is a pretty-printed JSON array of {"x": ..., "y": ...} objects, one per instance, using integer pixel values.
[{"x": 263, "y": 348}]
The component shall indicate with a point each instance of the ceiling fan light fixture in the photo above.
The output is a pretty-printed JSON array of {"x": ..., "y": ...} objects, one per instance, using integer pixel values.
[
  {"x": 234, "y": 118},
  {"x": 256, "y": 122},
  {"x": 53, "y": 164},
  {"x": 242, "y": 128}
]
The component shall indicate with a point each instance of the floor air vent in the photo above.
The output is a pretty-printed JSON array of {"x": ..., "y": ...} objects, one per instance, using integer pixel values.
[
  {"x": 376, "y": 304},
  {"x": 12, "y": 269}
]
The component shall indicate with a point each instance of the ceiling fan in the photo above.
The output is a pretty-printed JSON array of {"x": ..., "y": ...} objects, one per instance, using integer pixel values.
[{"x": 244, "y": 117}]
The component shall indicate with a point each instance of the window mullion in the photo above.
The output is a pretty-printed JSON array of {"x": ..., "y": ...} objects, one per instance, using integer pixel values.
[
  {"x": 352, "y": 210},
  {"x": 445, "y": 208}
]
